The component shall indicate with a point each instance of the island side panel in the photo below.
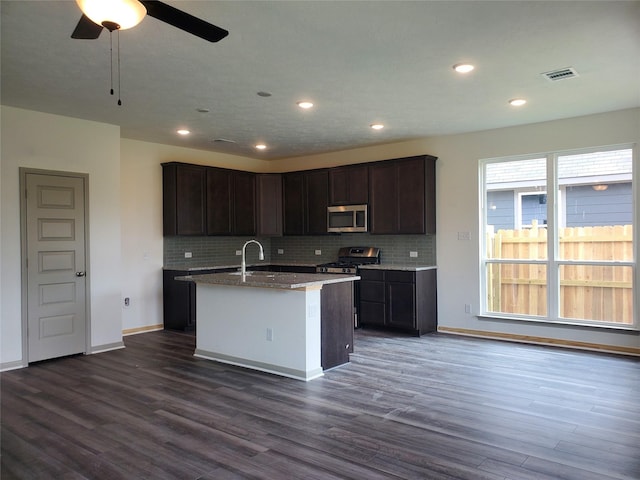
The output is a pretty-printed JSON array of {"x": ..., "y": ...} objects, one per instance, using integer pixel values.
[
  {"x": 337, "y": 324},
  {"x": 267, "y": 329}
]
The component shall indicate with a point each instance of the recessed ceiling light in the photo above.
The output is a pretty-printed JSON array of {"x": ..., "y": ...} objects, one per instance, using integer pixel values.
[
  {"x": 377, "y": 126},
  {"x": 463, "y": 67},
  {"x": 183, "y": 131},
  {"x": 517, "y": 102},
  {"x": 305, "y": 105},
  {"x": 261, "y": 146}
]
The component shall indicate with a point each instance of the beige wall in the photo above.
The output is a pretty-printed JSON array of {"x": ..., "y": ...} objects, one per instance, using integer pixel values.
[
  {"x": 126, "y": 211},
  {"x": 50, "y": 142}
]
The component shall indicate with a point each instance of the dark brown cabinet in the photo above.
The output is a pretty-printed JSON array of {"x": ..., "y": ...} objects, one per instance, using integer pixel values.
[
  {"x": 183, "y": 199},
  {"x": 244, "y": 203},
  {"x": 269, "y": 204},
  {"x": 349, "y": 185},
  {"x": 403, "y": 300},
  {"x": 305, "y": 201},
  {"x": 231, "y": 202},
  {"x": 336, "y": 323},
  {"x": 402, "y": 196}
]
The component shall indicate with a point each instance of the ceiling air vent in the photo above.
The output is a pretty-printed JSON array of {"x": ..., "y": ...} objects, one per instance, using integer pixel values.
[{"x": 560, "y": 74}]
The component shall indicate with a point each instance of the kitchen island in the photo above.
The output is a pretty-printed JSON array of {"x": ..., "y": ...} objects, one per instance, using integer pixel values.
[{"x": 290, "y": 324}]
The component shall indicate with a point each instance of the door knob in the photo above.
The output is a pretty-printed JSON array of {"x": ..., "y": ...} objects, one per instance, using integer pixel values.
[{"x": 80, "y": 274}]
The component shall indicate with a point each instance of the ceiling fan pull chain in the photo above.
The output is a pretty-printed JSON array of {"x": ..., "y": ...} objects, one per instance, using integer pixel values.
[
  {"x": 119, "y": 100},
  {"x": 111, "y": 58}
]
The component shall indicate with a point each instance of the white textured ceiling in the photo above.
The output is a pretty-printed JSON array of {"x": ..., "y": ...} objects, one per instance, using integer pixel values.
[{"x": 360, "y": 62}]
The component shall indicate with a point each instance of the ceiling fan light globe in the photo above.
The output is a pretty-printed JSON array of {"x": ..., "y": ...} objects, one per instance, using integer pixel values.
[{"x": 124, "y": 13}]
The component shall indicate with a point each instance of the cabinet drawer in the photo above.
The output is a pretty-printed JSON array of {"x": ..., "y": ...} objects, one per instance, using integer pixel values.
[
  {"x": 372, "y": 291},
  {"x": 399, "y": 276},
  {"x": 376, "y": 275}
]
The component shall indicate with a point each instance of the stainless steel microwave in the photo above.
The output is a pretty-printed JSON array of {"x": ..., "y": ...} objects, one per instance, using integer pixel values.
[{"x": 347, "y": 218}]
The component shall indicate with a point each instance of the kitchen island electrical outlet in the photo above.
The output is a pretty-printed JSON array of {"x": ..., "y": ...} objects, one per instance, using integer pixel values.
[
  {"x": 413, "y": 254},
  {"x": 188, "y": 254},
  {"x": 269, "y": 334}
]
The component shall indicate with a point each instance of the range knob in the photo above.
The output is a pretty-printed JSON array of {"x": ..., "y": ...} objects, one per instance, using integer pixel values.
[{"x": 345, "y": 270}]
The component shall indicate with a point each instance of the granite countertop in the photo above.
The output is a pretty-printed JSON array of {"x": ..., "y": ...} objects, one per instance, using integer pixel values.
[
  {"x": 195, "y": 268},
  {"x": 280, "y": 280},
  {"x": 398, "y": 266}
]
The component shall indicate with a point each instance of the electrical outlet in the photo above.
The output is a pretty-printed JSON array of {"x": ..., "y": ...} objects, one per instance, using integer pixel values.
[
  {"x": 238, "y": 252},
  {"x": 413, "y": 254},
  {"x": 281, "y": 251},
  {"x": 269, "y": 334},
  {"x": 188, "y": 254},
  {"x": 318, "y": 252},
  {"x": 464, "y": 236}
]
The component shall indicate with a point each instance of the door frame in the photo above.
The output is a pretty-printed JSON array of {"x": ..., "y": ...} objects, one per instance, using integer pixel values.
[{"x": 24, "y": 171}]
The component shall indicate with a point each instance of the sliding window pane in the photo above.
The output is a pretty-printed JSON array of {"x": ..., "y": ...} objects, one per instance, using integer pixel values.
[
  {"x": 597, "y": 292},
  {"x": 517, "y": 288},
  {"x": 596, "y": 209}
]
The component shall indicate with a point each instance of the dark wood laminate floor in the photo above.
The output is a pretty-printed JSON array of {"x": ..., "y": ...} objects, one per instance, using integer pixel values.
[{"x": 435, "y": 407}]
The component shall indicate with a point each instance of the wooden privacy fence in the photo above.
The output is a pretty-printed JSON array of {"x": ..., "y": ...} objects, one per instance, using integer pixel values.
[{"x": 590, "y": 292}]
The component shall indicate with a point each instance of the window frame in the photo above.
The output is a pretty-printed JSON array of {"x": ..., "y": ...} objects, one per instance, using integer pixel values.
[{"x": 554, "y": 218}]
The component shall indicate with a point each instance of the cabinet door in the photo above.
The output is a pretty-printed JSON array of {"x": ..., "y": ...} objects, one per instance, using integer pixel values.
[
  {"x": 349, "y": 185},
  {"x": 269, "y": 207},
  {"x": 401, "y": 305},
  {"x": 411, "y": 196},
  {"x": 244, "y": 203},
  {"x": 317, "y": 200},
  {"x": 383, "y": 198},
  {"x": 293, "y": 203},
  {"x": 219, "y": 199},
  {"x": 183, "y": 199}
]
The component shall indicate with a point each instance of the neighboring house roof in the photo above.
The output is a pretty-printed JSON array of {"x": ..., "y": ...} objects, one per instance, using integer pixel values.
[{"x": 607, "y": 166}]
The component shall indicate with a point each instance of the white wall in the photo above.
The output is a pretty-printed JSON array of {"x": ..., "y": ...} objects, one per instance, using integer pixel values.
[{"x": 50, "y": 142}]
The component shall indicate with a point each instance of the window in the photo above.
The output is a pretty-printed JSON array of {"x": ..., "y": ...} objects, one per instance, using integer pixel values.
[{"x": 558, "y": 237}]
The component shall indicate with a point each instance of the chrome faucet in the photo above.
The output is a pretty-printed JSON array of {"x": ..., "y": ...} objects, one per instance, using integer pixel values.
[{"x": 243, "y": 265}]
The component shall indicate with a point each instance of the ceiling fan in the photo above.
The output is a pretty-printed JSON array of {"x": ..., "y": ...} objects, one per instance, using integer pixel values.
[{"x": 123, "y": 14}]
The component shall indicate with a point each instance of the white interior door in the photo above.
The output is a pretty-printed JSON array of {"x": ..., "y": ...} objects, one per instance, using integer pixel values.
[{"x": 56, "y": 265}]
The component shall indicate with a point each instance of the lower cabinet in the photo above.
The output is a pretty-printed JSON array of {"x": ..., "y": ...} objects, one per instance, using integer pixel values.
[
  {"x": 179, "y": 299},
  {"x": 398, "y": 299}
]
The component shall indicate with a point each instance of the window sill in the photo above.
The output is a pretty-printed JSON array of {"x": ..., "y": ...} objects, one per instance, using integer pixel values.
[{"x": 561, "y": 322}]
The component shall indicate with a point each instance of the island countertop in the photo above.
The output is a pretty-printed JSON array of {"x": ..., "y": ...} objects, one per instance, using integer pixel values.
[{"x": 280, "y": 280}]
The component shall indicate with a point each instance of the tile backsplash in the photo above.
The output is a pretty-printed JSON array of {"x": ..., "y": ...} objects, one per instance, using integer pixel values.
[{"x": 213, "y": 251}]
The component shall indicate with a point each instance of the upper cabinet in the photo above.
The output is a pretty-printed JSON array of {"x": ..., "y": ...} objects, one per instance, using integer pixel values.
[
  {"x": 305, "y": 201},
  {"x": 199, "y": 200},
  {"x": 269, "y": 205},
  {"x": 349, "y": 185},
  {"x": 183, "y": 199},
  {"x": 231, "y": 202},
  {"x": 402, "y": 196}
]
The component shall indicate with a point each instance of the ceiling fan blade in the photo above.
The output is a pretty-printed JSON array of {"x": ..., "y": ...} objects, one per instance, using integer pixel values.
[
  {"x": 86, "y": 29},
  {"x": 184, "y": 21}
]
